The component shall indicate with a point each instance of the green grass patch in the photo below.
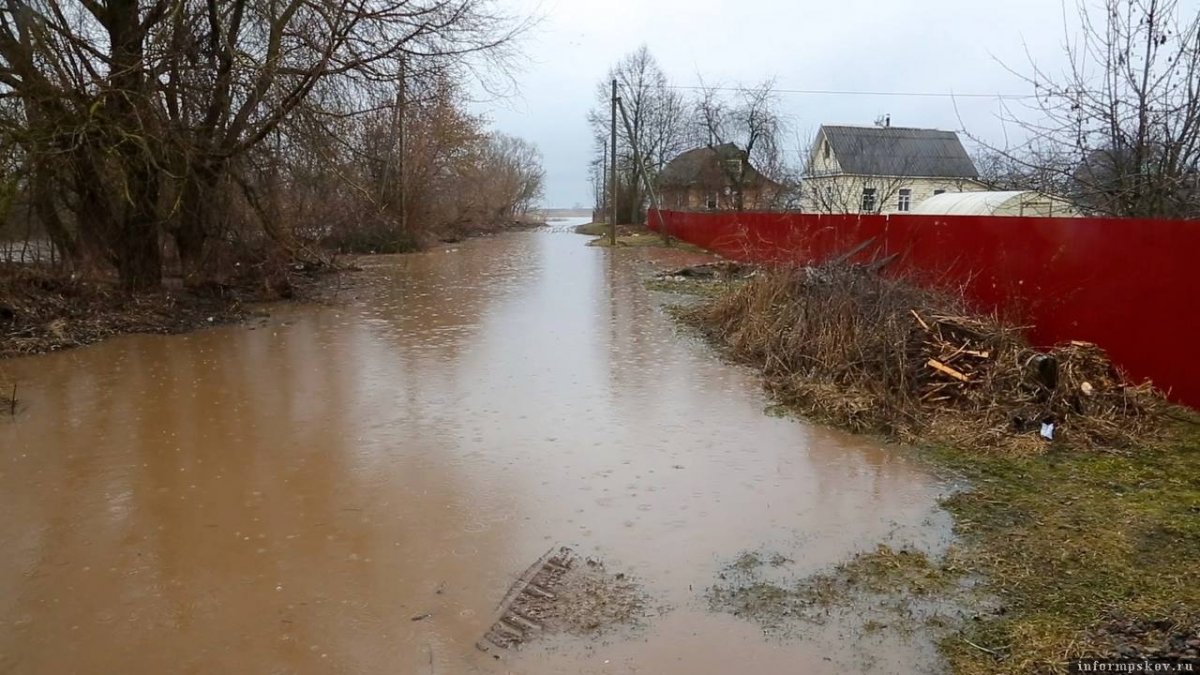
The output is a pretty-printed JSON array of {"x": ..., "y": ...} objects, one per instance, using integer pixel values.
[
  {"x": 896, "y": 588},
  {"x": 643, "y": 239},
  {"x": 1073, "y": 544},
  {"x": 633, "y": 236},
  {"x": 592, "y": 229}
]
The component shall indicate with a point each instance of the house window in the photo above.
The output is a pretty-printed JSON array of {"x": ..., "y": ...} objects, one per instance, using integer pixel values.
[
  {"x": 938, "y": 192},
  {"x": 710, "y": 202},
  {"x": 868, "y": 200},
  {"x": 905, "y": 200}
]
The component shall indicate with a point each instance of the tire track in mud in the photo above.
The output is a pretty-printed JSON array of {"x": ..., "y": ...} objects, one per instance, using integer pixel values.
[{"x": 562, "y": 593}]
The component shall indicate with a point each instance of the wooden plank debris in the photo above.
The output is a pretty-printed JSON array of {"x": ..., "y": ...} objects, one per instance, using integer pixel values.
[{"x": 943, "y": 368}]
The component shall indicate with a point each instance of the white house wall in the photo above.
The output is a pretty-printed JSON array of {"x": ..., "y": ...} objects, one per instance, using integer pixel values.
[{"x": 847, "y": 191}]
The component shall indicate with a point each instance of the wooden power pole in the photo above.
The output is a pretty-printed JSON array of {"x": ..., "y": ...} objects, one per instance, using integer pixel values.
[
  {"x": 612, "y": 225},
  {"x": 640, "y": 166},
  {"x": 401, "y": 102}
]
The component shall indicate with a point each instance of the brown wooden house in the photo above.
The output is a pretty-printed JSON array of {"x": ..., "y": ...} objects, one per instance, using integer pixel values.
[{"x": 715, "y": 178}]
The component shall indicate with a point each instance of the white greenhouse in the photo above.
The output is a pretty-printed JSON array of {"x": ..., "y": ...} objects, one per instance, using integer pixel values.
[{"x": 1010, "y": 203}]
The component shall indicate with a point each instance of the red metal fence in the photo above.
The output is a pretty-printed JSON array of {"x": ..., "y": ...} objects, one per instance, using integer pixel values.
[{"x": 1131, "y": 286}]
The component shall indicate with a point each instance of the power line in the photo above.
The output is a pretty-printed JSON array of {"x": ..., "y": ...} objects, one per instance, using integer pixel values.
[{"x": 834, "y": 92}]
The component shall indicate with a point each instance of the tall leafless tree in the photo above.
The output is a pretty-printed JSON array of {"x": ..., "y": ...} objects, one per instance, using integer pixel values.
[
  {"x": 657, "y": 124},
  {"x": 136, "y": 112},
  {"x": 749, "y": 118},
  {"x": 1120, "y": 126}
]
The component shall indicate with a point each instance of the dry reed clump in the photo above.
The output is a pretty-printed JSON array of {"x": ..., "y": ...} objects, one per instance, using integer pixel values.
[{"x": 844, "y": 343}]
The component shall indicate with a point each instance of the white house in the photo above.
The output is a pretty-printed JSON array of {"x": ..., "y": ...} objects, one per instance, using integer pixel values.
[{"x": 884, "y": 169}]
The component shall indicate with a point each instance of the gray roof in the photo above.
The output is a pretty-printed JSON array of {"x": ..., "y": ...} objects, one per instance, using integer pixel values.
[
  {"x": 897, "y": 151},
  {"x": 699, "y": 165}
]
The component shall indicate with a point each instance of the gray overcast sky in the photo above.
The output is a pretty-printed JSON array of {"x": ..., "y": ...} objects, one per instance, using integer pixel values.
[{"x": 846, "y": 45}]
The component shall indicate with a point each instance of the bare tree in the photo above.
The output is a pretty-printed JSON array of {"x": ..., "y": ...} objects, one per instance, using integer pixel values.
[
  {"x": 861, "y": 194},
  {"x": 657, "y": 120},
  {"x": 749, "y": 119},
  {"x": 144, "y": 109},
  {"x": 1120, "y": 127},
  {"x": 342, "y": 175},
  {"x": 1048, "y": 174}
]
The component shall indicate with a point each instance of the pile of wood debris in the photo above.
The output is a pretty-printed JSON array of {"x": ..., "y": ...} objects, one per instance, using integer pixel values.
[
  {"x": 872, "y": 352},
  {"x": 982, "y": 366}
]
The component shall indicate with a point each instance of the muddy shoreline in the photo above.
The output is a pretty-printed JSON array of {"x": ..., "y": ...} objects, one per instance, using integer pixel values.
[{"x": 42, "y": 312}]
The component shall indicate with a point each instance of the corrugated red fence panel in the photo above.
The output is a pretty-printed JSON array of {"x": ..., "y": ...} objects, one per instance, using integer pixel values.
[{"x": 1131, "y": 286}]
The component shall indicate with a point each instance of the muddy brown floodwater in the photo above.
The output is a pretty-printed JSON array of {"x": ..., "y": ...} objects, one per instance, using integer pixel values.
[{"x": 288, "y": 496}]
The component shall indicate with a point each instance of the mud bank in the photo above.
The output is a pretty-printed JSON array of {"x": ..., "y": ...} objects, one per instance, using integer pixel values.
[{"x": 39, "y": 315}]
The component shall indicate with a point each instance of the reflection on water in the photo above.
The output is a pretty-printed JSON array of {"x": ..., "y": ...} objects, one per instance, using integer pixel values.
[{"x": 286, "y": 496}]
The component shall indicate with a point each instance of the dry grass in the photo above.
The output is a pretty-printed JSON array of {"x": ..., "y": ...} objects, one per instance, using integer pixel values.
[{"x": 845, "y": 344}]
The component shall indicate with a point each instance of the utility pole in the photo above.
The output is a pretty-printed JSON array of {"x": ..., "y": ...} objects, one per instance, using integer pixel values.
[
  {"x": 612, "y": 226},
  {"x": 640, "y": 167},
  {"x": 401, "y": 102},
  {"x": 602, "y": 198}
]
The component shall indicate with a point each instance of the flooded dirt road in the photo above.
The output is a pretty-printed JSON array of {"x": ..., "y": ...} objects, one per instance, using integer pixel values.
[{"x": 288, "y": 496}]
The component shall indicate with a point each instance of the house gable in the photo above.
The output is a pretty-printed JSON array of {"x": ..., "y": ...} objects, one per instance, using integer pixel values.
[{"x": 822, "y": 158}]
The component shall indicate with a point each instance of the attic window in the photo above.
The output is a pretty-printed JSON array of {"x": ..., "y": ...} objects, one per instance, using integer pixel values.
[
  {"x": 733, "y": 168},
  {"x": 825, "y": 149}
]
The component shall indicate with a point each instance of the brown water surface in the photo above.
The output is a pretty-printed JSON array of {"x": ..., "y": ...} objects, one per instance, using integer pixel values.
[{"x": 285, "y": 496}]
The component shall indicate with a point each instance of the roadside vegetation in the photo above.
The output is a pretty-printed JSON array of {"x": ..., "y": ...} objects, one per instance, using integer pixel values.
[
  {"x": 176, "y": 154},
  {"x": 632, "y": 235},
  {"x": 593, "y": 229},
  {"x": 1089, "y": 554},
  {"x": 880, "y": 354},
  {"x": 1086, "y": 541}
]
